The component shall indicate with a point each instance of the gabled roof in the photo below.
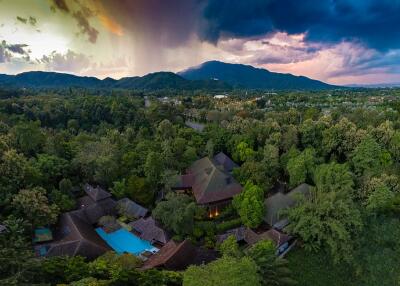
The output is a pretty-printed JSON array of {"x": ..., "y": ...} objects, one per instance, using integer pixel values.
[
  {"x": 96, "y": 193},
  {"x": 277, "y": 237},
  {"x": 76, "y": 236},
  {"x": 222, "y": 159},
  {"x": 92, "y": 212},
  {"x": 210, "y": 182},
  {"x": 278, "y": 202},
  {"x": 149, "y": 230},
  {"x": 173, "y": 256},
  {"x": 131, "y": 209},
  {"x": 238, "y": 233}
]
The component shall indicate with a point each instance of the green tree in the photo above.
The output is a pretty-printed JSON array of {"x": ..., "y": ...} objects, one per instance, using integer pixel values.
[
  {"x": 369, "y": 158},
  {"x": 250, "y": 205},
  {"x": 326, "y": 219},
  {"x": 153, "y": 168},
  {"x": 380, "y": 200},
  {"x": 177, "y": 213},
  {"x": 63, "y": 269},
  {"x": 113, "y": 266},
  {"x": 17, "y": 261},
  {"x": 273, "y": 270},
  {"x": 15, "y": 173},
  {"x": 301, "y": 167},
  {"x": 166, "y": 130},
  {"x": 229, "y": 247},
  {"x": 33, "y": 205},
  {"x": 28, "y": 137},
  {"x": 52, "y": 169},
  {"x": 62, "y": 200},
  {"x": 334, "y": 177},
  {"x": 243, "y": 152},
  {"x": 226, "y": 271}
]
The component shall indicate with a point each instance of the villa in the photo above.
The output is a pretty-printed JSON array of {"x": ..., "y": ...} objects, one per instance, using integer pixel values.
[
  {"x": 74, "y": 236},
  {"x": 77, "y": 234},
  {"x": 173, "y": 256},
  {"x": 211, "y": 182},
  {"x": 148, "y": 229},
  {"x": 280, "y": 201},
  {"x": 131, "y": 209},
  {"x": 247, "y": 236}
]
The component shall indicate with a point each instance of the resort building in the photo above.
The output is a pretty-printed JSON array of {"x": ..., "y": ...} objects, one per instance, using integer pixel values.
[
  {"x": 172, "y": 256},
  {"x": 211, "y": 182},
  {"x": 131, "y": 209},
  {"x": 96, "y": 203},
  {"x": 75, "y": 235},
  {"x": 280, "y": 201},
  {"x": 148, "y": 229},
  {"x": 247, "y": 236}
]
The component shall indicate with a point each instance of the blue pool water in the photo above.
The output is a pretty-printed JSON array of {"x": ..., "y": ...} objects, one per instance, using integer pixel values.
[{"x": 124, "y": 241}]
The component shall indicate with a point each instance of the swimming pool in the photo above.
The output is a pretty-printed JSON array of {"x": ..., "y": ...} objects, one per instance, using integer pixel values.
[{"x": 123, "y": 241}]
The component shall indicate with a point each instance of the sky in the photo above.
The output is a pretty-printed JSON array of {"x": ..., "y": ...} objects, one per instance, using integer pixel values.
[{"x": 336, "y": 41}]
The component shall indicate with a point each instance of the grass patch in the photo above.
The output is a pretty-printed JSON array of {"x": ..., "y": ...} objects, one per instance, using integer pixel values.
[{"x": 316, "y": 269}]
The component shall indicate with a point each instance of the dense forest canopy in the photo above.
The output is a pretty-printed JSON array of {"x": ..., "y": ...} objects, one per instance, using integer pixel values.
[{"x": 345, "y": 144}]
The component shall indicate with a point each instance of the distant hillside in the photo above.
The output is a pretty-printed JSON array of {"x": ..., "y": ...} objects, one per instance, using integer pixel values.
[
  {"x": 49, "y": 79},
  {"x": 245, "y": 76},
  {"x": 153, "y": 81},
  {"x": 210, "y": 76}
]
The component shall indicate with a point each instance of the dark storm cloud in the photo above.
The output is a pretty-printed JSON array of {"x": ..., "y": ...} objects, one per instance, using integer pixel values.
[
  {"x": 170, "y": 23},
  {"x": 373, "y": 22},
  {"x": 61, "y": 5},
  {"x": 81, "y": 15},
  {"x": 9, "y": 51},
  {"x": 17, "y": 48},
  {"x": 31, "y": 20},
  {"x": 22, "y": 20},
  {"x": 84, "y": 25}
]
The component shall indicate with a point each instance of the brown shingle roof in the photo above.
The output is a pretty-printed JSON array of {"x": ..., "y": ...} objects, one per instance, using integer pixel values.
[
  {"x": 94, "y": 211},
  {"x": 222, "y": 159},
  {"x": 277, "y": 237},
  {"x": 238, "y": 233},
  {"x": 76, "y": 236},
  {"x": 278, "y": 202},
  {"x": 149, "y": 230},
  {"x": 172, "y": 256},
  {"x": 210, "y": 182},
  {"x": 96, "y": 193},
  {"x": 131, "y": 209}
]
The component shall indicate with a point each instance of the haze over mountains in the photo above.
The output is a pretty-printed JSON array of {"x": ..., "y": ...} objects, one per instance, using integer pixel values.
[{"x": 212, "y": 75}]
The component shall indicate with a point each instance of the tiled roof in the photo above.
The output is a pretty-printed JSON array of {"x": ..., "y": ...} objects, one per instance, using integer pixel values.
[
  {"x": 210, "y": 182},
  {"x": 278, "y": 202},
  {"x": 93, "y": 212},
  {"x": 149, "y": 230},
  {"x": 225, "y": 161},
  {"x": 173, "y": 256},
  {"x": 76, "y": 236},
  {"x": 131, "y": 209},
  {"x": 96, "y": 193}
]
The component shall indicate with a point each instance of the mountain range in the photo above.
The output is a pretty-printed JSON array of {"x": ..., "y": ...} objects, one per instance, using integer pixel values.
[{"x": 212, "y": 75}]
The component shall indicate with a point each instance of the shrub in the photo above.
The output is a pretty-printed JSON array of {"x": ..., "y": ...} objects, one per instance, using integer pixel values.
[{"x": 226, "y": 225}]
